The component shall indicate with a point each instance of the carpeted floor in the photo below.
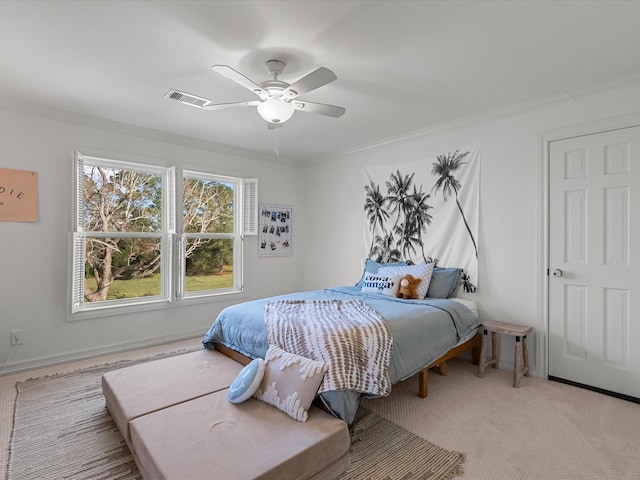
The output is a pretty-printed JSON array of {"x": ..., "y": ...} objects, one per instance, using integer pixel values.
[
  {"x": 542, "y": 430},
  {"x": 62, "y": 430}
]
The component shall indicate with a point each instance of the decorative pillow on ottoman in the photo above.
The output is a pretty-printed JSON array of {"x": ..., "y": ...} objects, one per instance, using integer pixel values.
[
  {"x": 247, "y": 381},
  {"x": 290, "y": 382}
]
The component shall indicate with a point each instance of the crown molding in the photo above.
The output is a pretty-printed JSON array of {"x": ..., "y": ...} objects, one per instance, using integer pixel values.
[
  {"x": 136, "y": 131},
  {"x": 556, "y": 98}
]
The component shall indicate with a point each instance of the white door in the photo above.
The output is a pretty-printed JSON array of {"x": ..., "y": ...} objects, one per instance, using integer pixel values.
[{"x": 594, "y": 260}]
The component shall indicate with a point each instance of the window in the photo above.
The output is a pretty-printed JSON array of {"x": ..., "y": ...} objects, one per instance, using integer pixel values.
[
  {"x": 211, "y": 237},
  {"x": 128, "y": 248}
]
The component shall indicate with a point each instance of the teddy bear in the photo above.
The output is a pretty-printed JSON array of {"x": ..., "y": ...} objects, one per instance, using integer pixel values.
[{"x": 408, "y": 287}]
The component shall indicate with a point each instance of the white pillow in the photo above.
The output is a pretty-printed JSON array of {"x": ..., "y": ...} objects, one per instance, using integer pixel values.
[
  {"x": 290, "y": 382},
  {"x": 423, "y": 271},
  {"x": 375, "y": 283}
]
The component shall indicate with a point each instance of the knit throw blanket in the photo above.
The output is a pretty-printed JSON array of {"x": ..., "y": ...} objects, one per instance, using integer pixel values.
[{"x": 349, "y": 336}]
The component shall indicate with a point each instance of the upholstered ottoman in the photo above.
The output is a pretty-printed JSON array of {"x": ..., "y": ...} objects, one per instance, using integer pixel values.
[
  {"x": 141, "y": 389},
  {"x": 209, "y": 437}
]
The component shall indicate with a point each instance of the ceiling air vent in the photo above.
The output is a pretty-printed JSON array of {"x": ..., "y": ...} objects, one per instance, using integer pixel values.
[{"x": 187, "y": 98}]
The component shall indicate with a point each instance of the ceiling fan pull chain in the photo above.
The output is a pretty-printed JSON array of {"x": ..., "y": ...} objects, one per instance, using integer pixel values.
[{"x": 276, "y": 150}]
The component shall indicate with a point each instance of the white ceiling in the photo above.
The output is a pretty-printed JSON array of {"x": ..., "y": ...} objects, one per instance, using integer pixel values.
[{"x": 402, "y": 66}]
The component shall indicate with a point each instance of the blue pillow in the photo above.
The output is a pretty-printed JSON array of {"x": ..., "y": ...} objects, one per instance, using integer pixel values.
[
  {"x": 373, "y": 267},
  {"x": 444, "y": 282},
  {"x": 247, "y": 381}
]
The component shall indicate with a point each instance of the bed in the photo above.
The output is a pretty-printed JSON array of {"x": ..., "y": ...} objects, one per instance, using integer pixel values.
[{"x": 425, "y": 333}]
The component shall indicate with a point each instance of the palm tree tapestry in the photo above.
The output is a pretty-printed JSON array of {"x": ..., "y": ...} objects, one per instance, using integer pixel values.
[{"x": 425, "y": 211}]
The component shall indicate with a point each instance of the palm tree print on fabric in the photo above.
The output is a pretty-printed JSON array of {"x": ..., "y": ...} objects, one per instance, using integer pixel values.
[
  {"x": 400, "y": 212},
  {"x": 444, "y": 169},
  {"x": 374, "y": 208},
  {"x": 384, "y": 249},
  {"x": 467, "y": 286},
  {"x": 407, "y": 206}
]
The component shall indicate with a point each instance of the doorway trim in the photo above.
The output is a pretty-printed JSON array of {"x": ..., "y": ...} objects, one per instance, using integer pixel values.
[{"x": 544, "y": 140}]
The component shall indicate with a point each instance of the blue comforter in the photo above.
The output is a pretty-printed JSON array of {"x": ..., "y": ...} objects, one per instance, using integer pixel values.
[{"x": 422, "y": 330}]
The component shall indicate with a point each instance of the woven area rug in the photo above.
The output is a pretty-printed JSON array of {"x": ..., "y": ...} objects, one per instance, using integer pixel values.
[{"x": 63, "y": 431}]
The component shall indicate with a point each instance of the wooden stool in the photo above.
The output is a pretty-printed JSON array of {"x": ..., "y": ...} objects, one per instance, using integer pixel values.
[{"x": 520, "y": 332}]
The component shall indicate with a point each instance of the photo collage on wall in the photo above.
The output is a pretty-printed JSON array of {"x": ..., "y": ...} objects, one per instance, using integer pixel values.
[{"x": 275, "y": 232}]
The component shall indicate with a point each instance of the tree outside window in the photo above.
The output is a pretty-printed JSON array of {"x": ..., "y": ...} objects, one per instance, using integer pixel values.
[
  {"x": 208, "y": 223},
  {"x": 127, "y": 246}
]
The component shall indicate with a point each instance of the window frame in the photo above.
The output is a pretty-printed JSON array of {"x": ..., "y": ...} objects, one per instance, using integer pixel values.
[
  {"x": 236, "y": 236},
  {"x": 173, "y": 264}
]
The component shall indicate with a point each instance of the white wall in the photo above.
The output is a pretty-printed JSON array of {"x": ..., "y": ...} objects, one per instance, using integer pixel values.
[
  {"x": 34, "y": 257},
  {"x": 327, "y": 198},
  {"x": 509, "y": 243}
]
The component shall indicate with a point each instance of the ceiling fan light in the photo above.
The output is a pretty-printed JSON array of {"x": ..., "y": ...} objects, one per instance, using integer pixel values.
[{"x": 275, "y": 111}]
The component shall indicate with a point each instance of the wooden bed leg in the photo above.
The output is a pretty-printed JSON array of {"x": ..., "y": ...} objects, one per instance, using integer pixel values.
[
  {"x": 442, "y": 369},
  {"x": 423, "y": 383},
  {"x": 441, "y": 363}
]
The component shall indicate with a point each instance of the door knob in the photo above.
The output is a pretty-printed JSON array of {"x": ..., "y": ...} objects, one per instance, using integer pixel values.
[{"x": 556, "y": 273}]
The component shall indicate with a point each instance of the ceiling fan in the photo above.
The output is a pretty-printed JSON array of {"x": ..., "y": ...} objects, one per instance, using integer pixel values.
[{"x": 278, "y": 100}]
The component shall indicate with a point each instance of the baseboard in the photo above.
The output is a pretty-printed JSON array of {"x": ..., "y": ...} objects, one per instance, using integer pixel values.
[
  {"x": 53, "y": 360},
  {"x": 609, "y": 393}
]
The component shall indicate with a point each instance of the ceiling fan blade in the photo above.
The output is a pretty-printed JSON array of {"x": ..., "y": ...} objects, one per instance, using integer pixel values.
[
  {"x": 241, "y": 80},
  {"x": 222, "y": 106},
  {"x": 309, "y": 82},
  {"x": 321, "y": 108}
]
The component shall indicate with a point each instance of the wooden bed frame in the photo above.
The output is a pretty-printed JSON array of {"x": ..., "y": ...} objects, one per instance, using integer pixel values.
[{"x": 440, "y": 364}]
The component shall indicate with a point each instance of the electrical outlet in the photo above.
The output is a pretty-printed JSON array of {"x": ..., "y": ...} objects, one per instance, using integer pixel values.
[{"x": 17, "y": 337}]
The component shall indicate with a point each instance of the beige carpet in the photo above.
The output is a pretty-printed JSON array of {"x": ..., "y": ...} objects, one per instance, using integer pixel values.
[
  {"x": 542, "y": 430},
  {"x": 62, "y": 430}
]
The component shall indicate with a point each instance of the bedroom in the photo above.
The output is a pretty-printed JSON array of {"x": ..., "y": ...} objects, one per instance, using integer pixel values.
[{"x": 602, "y": 86}]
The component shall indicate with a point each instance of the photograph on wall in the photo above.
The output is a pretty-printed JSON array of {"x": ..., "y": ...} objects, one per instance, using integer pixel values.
[
  {"x": 18, "y": 195},
  {"x": 275, "y": 234}
]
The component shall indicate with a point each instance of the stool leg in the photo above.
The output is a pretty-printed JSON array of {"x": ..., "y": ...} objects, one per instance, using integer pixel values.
[
  {"x": 483, "y": 350},
  {"x": 525, "y": 353},
  {"x": 516, "y": 363},
  {"x": 495, "y": 349}
]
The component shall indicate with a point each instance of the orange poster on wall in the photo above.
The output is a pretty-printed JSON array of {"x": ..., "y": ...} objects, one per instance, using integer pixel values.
[{"x": 18, "y": 195}]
